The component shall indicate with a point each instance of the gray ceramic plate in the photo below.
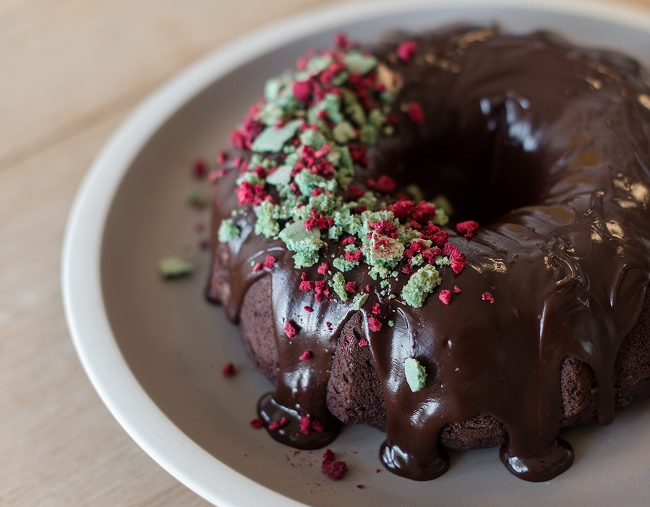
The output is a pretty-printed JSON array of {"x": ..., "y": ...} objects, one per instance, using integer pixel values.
[{"x": 154, "y": 350}]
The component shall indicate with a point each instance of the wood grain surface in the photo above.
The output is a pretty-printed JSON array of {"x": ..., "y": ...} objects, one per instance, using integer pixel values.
[{"x": 70, "y": 70}]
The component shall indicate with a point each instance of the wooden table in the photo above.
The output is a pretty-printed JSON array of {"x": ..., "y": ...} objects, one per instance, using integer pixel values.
[{"x": 70, "y": 70}]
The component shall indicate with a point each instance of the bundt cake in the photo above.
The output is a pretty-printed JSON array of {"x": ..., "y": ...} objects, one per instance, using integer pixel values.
[{"x": 445, "y": 235}]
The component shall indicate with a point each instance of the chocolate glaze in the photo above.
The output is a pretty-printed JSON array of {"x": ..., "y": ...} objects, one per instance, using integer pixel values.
[{"x": 546, "y": 144}]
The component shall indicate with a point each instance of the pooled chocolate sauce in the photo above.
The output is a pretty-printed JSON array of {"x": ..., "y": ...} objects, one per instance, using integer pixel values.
[{"x": 547, "y": 146}]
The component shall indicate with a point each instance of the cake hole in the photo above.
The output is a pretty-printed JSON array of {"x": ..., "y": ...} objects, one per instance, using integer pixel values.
[{"x": 485, "y": 165}]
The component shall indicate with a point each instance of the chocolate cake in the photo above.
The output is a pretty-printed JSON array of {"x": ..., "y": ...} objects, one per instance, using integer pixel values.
[{"x": 508, "y": 309}]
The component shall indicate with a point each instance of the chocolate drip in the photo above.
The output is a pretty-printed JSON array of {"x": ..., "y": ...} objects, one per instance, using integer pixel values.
[
  {"x": 548, "y": 144},
  {"x": 302, "y": 383}
]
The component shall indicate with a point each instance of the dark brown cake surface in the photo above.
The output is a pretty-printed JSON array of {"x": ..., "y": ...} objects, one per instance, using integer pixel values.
[
  {"x": 354, "y": 394},
  {"x": 363, "y": 308}
]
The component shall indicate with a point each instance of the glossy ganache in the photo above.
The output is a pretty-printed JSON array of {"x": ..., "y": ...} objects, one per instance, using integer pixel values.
[{"x": 547, "y": 146}]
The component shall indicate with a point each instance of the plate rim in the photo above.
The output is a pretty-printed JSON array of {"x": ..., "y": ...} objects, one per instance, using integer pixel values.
[{"x": 81, "y": 285}]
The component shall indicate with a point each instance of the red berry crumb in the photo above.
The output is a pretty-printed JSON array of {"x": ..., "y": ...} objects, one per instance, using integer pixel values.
[
  {"x": 200, "y": 168},
  {"x": 269, "y": 261},
  {"x": 374, "y": 324},
  {"x": 445, "y": 296},
  {"x": 334, "y": 469},
  {"x": 305, "y": 355},
  {"x": 290, "y": 330},
  {"x": 341, "y": 41},
  {"x": 351, "y": 287},
  {"x": 301, "y": 91},
  {"x": 385, "y": 184},
  {"x": 305, "y": 424},
  {"x": 406, "y": 50},
  {"x": 467, "y": 228},
  {"x": 276, "y": 425},
  {"x": 486, "y": 296},
  {"x": 355, "y": 192},
  {"x": 415, "y": 112},
  {"x": 257, "y": 423},
  {"x": 228, "y": 370},
  {"x": 457, "y": 289},
  {"x": 322, "y": 269},
  {"x": 360, "y": 486},
  {"x": 457, "y": 265}
]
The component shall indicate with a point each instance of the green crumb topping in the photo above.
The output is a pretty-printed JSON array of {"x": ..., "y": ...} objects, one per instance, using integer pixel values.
[
  {"x": 383, "y": 254},
  {"x": 252, "y": 178},
  {"x": 417, "y": 261},
  {"x": 442, "y": 261},
  {"x": 281, "y": 177},
  {"x": 344, "y": 265},
  {"x": 338, "y": 284},
  {"x": 307, "y": 182},
  {"x": 441, "y": 218},
  {"x": 173, "y": 267},
  {"x": 420, "y": 285},
  {"x": 266, "y": 224},
  {"x": 344, "y": 132},
  {"x": 416, "y": 374},
  {"x": 196, "y": 199},
  {"x": 272, "y": 139},
  {"x": 391, "y": 323},
  {"x": 313, "y": 138},
  {"x": 368, "y": 200},
  {"x": 443, "y": 204},
  {"x": 358, "y": 63},
  {"x": 308, "y": 143},
  {"x": 227, "y": 231},
  {"x": 359, "y": 300},
  {"x": 415, "y": 192},
  {"x": 306, "y": 244},
  {"x": 270, "y": 114}
]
